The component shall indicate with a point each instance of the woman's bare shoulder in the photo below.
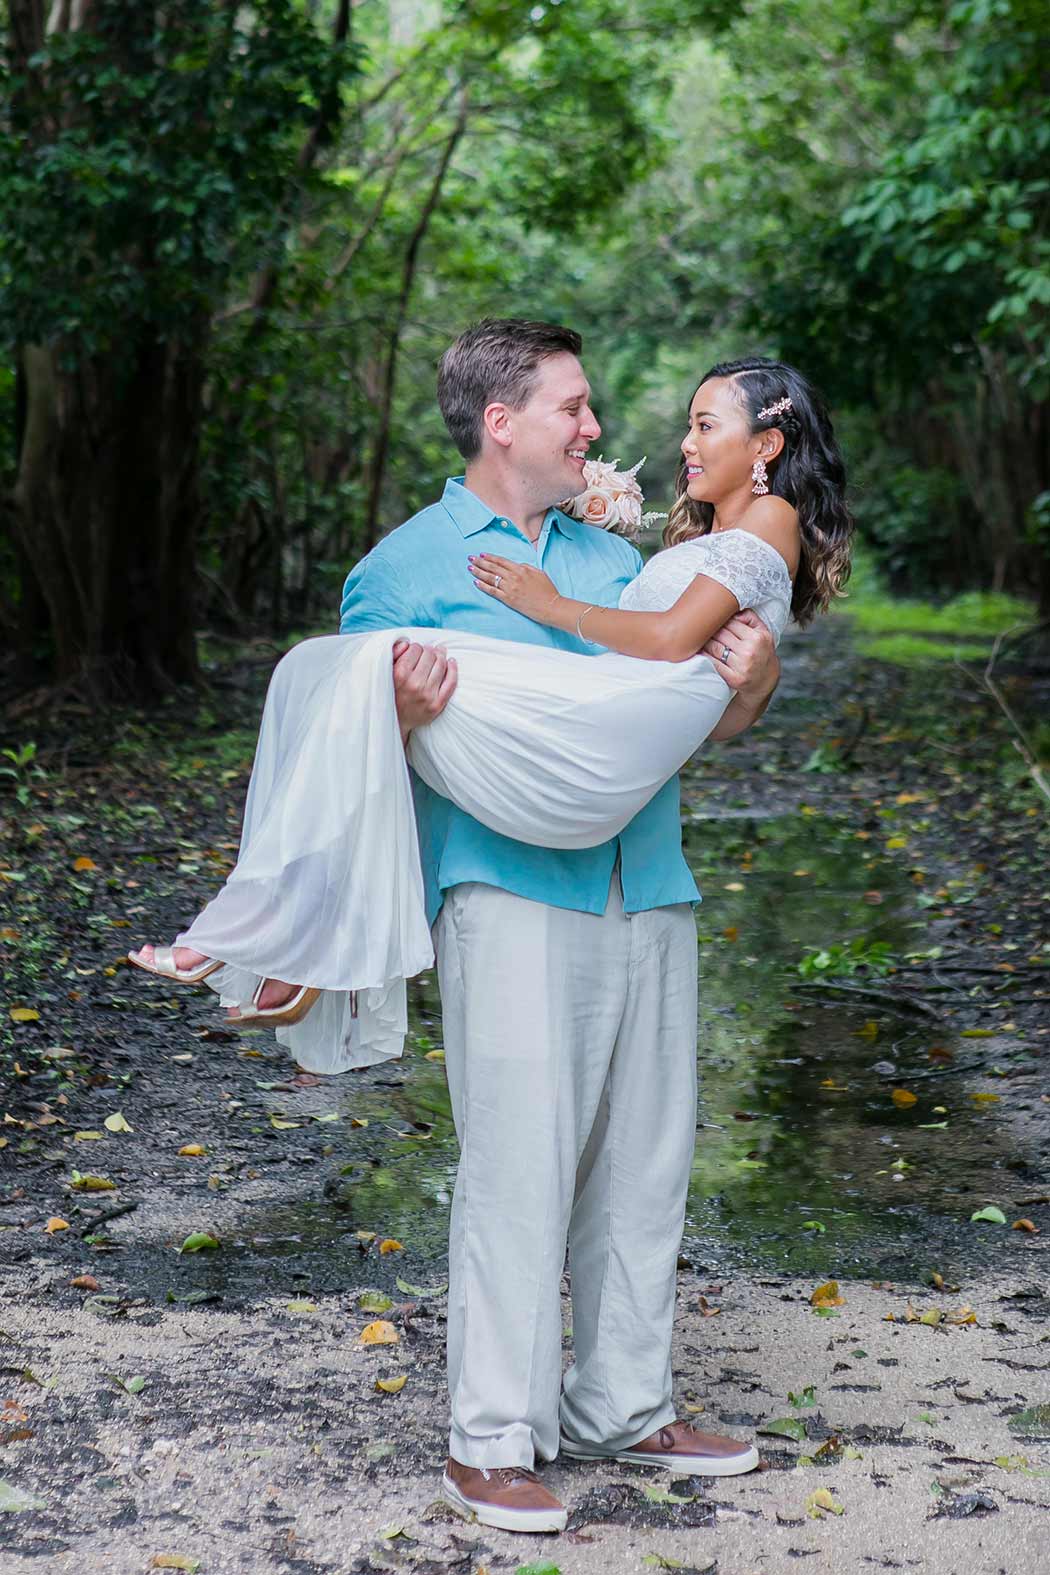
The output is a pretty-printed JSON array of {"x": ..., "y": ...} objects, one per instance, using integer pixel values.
[{"x": 776, "y": 522}]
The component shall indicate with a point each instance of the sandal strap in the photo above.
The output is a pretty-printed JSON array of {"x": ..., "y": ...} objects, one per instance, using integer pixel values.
[{"x": 164, "y": 959}]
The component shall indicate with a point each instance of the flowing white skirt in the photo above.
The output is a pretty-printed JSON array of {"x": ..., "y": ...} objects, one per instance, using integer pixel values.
[{"x": 542, "y": 745}]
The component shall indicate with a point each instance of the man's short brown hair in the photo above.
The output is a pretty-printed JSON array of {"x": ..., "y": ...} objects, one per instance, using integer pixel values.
[{"x": 495, "y": 360}]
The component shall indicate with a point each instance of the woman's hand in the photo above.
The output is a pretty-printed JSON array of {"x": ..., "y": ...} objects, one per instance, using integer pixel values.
[
  {"x": 527, "y": 590},
  {"x": 744, "y": 653}
]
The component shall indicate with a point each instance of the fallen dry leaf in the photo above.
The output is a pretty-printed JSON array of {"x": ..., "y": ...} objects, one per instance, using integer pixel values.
[
  {"x": 902, "y": 1098},
  {"x": 392, "y": 1386},
  {"x": 379, "y": 1333},
  {"x": 55, "y": 1224},
  {"x": 390, "y": 1245},
  {"x": 24, "y": 1014},
  {"x": 192, "y": 1150},
  {"x": 84, "y": 863},
  {"x": 1025, "y": 1225},
  {"x": 827, "y": 1295}
]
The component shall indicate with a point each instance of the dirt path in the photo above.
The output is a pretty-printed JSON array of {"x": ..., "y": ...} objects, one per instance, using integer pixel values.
[{"x": 258, "y": 1440}]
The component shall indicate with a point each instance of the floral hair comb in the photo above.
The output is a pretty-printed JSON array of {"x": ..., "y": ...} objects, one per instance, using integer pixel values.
[{"x": 772, "y": 411}]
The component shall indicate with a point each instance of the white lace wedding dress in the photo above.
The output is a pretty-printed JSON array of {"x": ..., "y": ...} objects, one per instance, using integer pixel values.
[{"x": 543, "y": 745}]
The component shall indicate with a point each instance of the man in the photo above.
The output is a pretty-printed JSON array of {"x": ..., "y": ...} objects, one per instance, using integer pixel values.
[{"x": 568, "y": 980}]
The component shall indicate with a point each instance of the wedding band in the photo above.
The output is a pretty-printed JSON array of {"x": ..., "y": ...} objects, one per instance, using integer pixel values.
[
  {"x": 725, "y": 654},
  {"x": 497, "y": 580}
]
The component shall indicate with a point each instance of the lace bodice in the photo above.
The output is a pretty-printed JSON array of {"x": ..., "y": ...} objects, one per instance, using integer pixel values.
[{"x": 738, "y": 559}]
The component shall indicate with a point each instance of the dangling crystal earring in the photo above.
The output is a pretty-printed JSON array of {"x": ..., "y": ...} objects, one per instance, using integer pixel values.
[{"x": 758, "y": 478}]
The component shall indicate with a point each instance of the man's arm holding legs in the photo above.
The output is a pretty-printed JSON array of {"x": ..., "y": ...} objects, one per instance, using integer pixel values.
[{"x": 424, "y": 676}]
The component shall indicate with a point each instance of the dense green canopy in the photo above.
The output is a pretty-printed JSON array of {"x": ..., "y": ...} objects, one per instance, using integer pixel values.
[{"x": 235, "y": 238}]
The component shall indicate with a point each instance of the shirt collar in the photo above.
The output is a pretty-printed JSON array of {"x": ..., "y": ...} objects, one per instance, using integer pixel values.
[{"x": 471, "y": 515}]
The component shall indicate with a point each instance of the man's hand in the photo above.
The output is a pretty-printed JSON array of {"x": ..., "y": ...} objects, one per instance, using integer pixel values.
[
  {"x": 424, "y": 678},
  {"x": 745, "y": 656}
]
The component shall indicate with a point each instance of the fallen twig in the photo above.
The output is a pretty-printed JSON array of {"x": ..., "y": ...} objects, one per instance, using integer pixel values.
[
  {"x": 903, "y": 1004},
  {"x": 1020, "y": 740},
  {"x": 107, "y": 1216}
]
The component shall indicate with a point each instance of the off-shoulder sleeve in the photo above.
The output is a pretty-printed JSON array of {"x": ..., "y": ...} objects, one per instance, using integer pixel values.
[{"x": 745, "y": 564}]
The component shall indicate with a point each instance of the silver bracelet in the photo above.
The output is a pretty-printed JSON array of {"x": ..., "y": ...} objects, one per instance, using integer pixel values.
[{"x": 579, "y": 632}]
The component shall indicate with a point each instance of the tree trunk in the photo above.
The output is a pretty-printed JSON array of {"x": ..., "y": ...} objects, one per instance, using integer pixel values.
[{"x": 106, "y": 507}]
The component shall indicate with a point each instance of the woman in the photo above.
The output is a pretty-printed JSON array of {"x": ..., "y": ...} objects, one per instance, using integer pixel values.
[{"x": 542, "y": 745}]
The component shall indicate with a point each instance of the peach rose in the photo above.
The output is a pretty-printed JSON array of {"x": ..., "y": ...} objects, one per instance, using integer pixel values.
[
  {"x": 595, "y": 506},
  {"x": 630, "y": 507}
]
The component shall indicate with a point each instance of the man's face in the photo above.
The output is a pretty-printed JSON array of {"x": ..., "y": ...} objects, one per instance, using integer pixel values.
[{"x": 553, "y": 431}]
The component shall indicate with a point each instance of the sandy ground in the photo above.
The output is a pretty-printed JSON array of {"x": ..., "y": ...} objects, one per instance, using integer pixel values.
[{"x": 259, "y": 1442}]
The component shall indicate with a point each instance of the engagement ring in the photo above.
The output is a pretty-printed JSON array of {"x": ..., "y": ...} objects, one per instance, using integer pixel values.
[
  {"x": 497, "y": 580},
  {"x": 725, "y": 654}
]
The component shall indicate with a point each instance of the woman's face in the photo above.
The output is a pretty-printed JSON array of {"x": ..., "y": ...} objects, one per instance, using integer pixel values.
[{"x": 719, "y": 448}]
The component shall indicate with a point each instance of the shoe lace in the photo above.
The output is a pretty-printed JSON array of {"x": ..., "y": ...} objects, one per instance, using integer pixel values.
[{"x": 508, "y": 1475}]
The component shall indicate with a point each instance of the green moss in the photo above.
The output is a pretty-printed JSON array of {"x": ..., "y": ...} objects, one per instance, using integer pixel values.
[
  {"x": 912, "y": 650},
  {"x": 973, "y": 615}
]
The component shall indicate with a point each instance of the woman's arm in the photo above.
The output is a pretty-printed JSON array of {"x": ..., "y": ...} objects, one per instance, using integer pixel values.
[{"x": 671, "y": 636}]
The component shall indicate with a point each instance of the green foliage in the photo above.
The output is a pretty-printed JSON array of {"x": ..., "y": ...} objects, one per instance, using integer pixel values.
[
  {"x": 144, "y": 155},
  {"x": 844, "y": 959}
]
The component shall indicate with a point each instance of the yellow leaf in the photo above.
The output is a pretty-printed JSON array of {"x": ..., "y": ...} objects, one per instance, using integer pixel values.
[
  {"x": 54, "y": 1224},
  {"x": 24, "y": 1014},
  {"x": 869, "y": 1031},
  {"x": 965, "y": 1314},
  {"x": 365, "y": 1236},
  {"x": 359, "y": 1121},
  {"x": 730, "y": 932},
  {"x": 823, "y": 1503},
  {"x": 283, "y": 1126},
  {"x": 902, "y": 1098},
  {"x": 81, "y": 1183},
  {"x": 392, "y": 1386},
  {"x": 827, "y": 1295},
  {"x": 84, "y": 864},
  {"x": 909, "y": 798},
  {"x": 117, "y": 1123},
  {"x": 390, "y": 1245},
  {"x": 435, "y": 1055},
  {"x": 932, "y": 1315},
  {"x": 838, "y": 1088},
  {"x": 985, "y": 1099},
  {"x": 192, "y": 1150},
  {"x": 85, "y": 1137},
  {"x": 379, "y": 1333}
]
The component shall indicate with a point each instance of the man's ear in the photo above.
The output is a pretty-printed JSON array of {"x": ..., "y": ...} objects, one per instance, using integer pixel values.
[{"x": 497, "y": 423}]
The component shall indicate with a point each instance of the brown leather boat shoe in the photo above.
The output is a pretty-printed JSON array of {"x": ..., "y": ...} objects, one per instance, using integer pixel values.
[
  {"x": 680, "y": 1448},
  {"x": 508, "y": 1497}
]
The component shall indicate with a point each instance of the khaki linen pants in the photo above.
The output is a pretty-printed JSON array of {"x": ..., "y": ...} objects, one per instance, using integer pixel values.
[{"x": 570, "y": 1048}]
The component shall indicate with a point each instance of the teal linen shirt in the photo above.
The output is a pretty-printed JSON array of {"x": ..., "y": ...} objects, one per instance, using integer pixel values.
[{"x": 418, "y": 575}]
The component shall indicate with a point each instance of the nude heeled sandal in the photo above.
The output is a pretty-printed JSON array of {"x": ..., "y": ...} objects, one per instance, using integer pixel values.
[
  {"x": 163, "y": 965},
  {"x": 288, "y": 1012}
]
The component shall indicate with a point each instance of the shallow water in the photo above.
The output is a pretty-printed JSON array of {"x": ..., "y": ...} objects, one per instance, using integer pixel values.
[{"x": 803, "y": 1161}]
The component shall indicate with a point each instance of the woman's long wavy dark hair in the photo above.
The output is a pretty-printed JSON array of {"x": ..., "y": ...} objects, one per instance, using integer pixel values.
[{"x": 808, "y": 473}]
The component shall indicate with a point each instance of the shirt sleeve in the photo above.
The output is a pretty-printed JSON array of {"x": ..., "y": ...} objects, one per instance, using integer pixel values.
[{"x": 375, "y": 596}]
